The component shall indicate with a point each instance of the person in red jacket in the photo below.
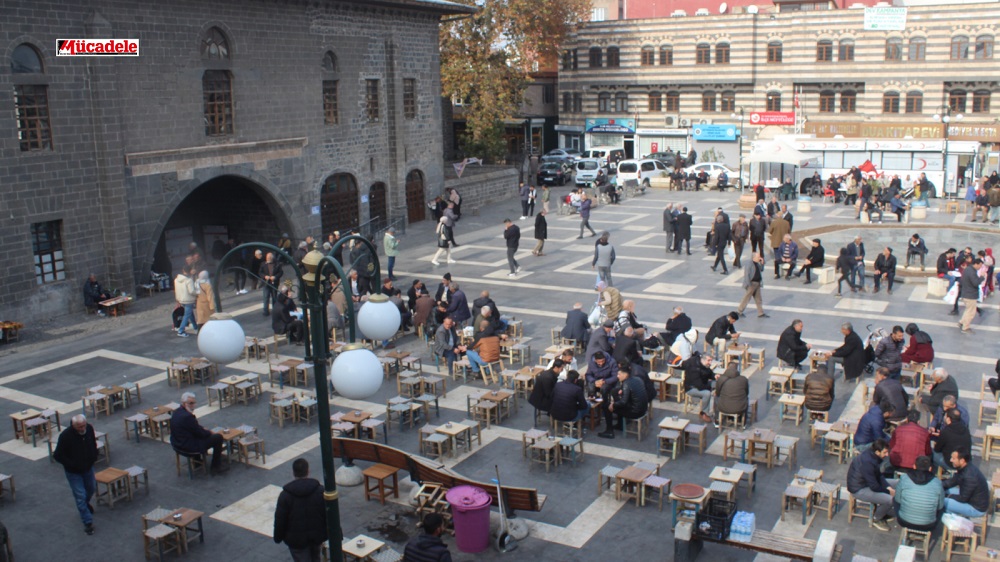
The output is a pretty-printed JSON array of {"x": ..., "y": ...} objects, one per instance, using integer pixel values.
[
  {"x": 920, "y": 349},
  {"x": 909, "y": 441}
]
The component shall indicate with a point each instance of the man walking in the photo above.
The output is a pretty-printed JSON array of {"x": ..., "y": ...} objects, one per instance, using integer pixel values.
[
  {"x": 753, "y": 281},
  {"x": 740, "y": 233},
  {"x": 684, "y": 222},
  {"x": 604, "y": 257},
  {"x": 76, "y": 450},
  {"x": 270, "y": 273},
  {"x": 300, "y": 515},
  {"x": 669, "y": 225},
  {"x": 720, "y": 241},
  {"x": 585, "y": 204},
  {"x": 758, "y": 226},
  {"x": 185, "y": 294},
  {"x": 391, "y": 246},
  {"x": 525, "y": 191},
  {"x": 541, "y": 232},
  {"x": 968, "y": 291},
  {"x": 512, "y": 234},
  {"x": 856, "y": 251},
  {"x": 451, "y": 217}
]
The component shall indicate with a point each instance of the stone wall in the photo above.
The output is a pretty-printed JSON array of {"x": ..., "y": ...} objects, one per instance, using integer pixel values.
[{"x": 490, "y": 185}]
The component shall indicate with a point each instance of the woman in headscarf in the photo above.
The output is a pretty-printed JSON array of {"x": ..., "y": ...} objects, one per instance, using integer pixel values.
[{"x": 205, "y": 302}]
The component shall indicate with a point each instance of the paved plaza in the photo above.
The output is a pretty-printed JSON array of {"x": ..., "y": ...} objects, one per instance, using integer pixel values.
[{"x": 53, "y": 367}]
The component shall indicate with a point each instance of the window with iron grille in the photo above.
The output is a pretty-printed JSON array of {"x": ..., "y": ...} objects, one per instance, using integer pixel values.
[
  {"x": 773, "y": 101},
  {"x": 331, "y": 113},
  {"x": 217, "y": 92},
  {"x": 890, "y": 102},
  {"x": 666, "y": 55},
  {"x": 893, "y": 49},
  {"x": 914, "y": 102},
  {"x": 956, "y": 100},
  {"x": 848, "y": 102},
  {"x": 722, "y": 53},
  {"x": 410, "y": 98},
  {"x": 655, "y": 101},
  {"x": 648, "y": 56},
  {"x": 918, "y": 49},
  {"x": 46, "y": 244},
  {"x": 959, "y": 47},
  {"x": 31, "y": 109},
  {"x": 371, "y": 100},
  {"x": 824, "y": 51},
  {"x": 703, "y": 54},
  {"x": 774, "y": 51},
  {"x": 673, "y": 101},
  {"x": 827, "y": 101},
  {"x": 708, "y": 101},
  {"x": 981, "y": 101}
]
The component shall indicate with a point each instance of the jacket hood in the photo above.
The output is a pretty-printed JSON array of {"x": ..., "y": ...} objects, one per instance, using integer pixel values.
[
  {"x": 920, "y": 477},
  {"x": 733, "y": 370},
  {"x": 302, "y": 487}
]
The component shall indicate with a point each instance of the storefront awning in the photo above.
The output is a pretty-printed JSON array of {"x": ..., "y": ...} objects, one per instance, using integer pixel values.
[{"x": 777, "y": 152}]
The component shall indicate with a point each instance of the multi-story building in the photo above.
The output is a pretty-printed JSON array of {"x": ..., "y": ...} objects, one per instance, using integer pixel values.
[
  {"x": 238, "y": 119},
  {"x": 666, "y": 82}
]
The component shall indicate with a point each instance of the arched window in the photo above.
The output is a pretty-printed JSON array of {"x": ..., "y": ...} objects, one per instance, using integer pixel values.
[
  {"x": 914, "y": 102},
  {"x": 824, "y": 50},
  {"x": 956, "y": 100},
  {"x": 893, "y": 49},
  {"x": 595, "y": 57},
  {"x": 214, "y": 45},
  {"x": 648, "y": 56},
  {"x": 339, "y": 203},
  {"x": 666, "y": 55},
  {"x": 774, "y": 101},
  {"x": 727, "y": 102},
  {"x": 614, "y": 57},
  {"x": 621, "y": 102},
  {"x": 708, "y": 102},
  {"x": 845, "y": 50},
  {"x": 890, "y": 102},
  {"x": 31, "y": 99},
  {"x": 984, "y": 47},
  {"x": 703, "y": 54},
  {"x": 673, "y": 102},
  {"x": 655, "y": 102},
  {"x": 918, "y": 49},
  {"x": 981, "y": 101},
  {"x": 848, "y": 102},
  {"x": 604, "y": 102},
  {"x": 722, "y": 53},
  {"x": 959, "y": 47},
  {"x": 827, "y": 101},
  {"x": 331, "y": 89},
  {"x": 774, "y": 51}
]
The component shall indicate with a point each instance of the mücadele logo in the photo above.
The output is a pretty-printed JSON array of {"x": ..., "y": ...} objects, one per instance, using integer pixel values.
[{"x": 97, "y": 47}]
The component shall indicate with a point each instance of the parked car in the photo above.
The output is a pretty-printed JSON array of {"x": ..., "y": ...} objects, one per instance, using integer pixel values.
[
  {"x": 641, "y": 171},
  {"x": 552, "y": 173},
  {"x": 669, "y": 159},
  {"x": 714, "y": 169},
  {"x": 586, "y": 170},
  {"x": 609, "y": 155},
  {"x": 567, "y": 155}
]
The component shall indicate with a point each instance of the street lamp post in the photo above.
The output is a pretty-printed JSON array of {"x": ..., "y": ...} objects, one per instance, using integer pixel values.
[
  {"x": 356, "y": 373},
  {"x": 945, "y": 117},
  {"x": 740, "y": 116}
]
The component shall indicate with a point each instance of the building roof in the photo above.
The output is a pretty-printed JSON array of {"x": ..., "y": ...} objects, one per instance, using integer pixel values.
[
  {"x": 645, "y": 9},
  {"x": 440, "y": 6}
]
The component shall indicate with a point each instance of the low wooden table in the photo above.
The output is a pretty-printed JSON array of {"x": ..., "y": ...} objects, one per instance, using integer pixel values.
[
  {"x": 116, "y": 306},
  {"x": 369, "y": 546},
  {"x": 453, "y": 432},
  {"x": 678, "y": 424},
  {"x": 504, "y": 401},
  {"x": 183, "y": 524},
  {"x": 375, "y": 481},
  {"x": 19, "y": 418},
  {"x": 116, "y": 484},
  {"x": 632, "y": 477},
  {"x": 760, "y": 446}
]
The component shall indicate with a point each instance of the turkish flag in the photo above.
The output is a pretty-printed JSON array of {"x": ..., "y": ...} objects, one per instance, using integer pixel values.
[{"x": 867, "y": 167}]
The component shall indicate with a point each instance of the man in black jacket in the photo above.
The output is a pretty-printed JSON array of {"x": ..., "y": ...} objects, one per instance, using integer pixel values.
[
  {"x": 866, "y": 482},
  {"x": 568, "y": 401},
  {"x": 683, "y": 231},
  {"x": 282, "y": 321},
  {"x": 885, "y": 268},
  {"x": 577, "y": 326},
  {"x": 512, "y": 235},
  {"x": 545, "y": 386},
  {"x": 428, "y": 546},
  {"x": 722, "y": 331},
  {"x": 270, "y": 274},
  {"x": 698, "y": 380},
  {"x": 816, "y": 257},
  {"x": 758, "y": 226},
  {"x": 851, "y": 355},
  {"x": 791, "y": 348},
  {"x": 300, "y": 515},
  {"x": 93, "y": 293},
  {"x": 188, "y": 437},
  {"x": 76, "y": 450},
  {"x": 627, "y": 348},
  {"x": 953, "y": 437},
  {"x": 968, "y": 492},
  {"x": 676, "y": 325},
  {"x": 890, "y": 395},
  {"x": 628, "y": 399},
  {"x": 723, "y": 233},
  {"x": 599, "y": 339},
  {"x": 944, "y": 385}
]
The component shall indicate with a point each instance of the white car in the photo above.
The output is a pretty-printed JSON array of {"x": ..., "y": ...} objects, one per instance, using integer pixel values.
[
  {"x": 713, "y": 169},
  {"x": 586, "y": 170},
  {"x": 641, "y": 170}
]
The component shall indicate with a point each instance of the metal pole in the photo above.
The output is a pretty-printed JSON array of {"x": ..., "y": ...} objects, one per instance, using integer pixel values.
[{"x": 946, "y": 118}]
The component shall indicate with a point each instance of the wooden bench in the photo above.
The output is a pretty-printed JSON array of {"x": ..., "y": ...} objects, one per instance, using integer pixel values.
[
  {"x": 424, "y": 470},
  {"x": 777, "y": 545}
]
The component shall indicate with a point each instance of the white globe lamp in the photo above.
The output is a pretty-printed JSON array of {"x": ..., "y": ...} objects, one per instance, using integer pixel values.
[
  {"x": 356, "y": 372},
  {"x": 378, "y": 318},
  {"x": 221, "y": 340}
]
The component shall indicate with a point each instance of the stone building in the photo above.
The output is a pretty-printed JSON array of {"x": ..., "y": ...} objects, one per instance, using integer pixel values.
[
  {"x": 668, "y": 77},
  {"x": 239, "y": 118}
]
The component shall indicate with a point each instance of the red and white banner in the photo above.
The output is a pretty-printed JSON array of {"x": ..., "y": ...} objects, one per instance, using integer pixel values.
[
  {"x": 772, "y": 118},
  {"x": 97, "y": 47}
]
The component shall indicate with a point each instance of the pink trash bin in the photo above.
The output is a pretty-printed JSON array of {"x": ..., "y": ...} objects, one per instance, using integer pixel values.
[{"x": 470, "y": 509}]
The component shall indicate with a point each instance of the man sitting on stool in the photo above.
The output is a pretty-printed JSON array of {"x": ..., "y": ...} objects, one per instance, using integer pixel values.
[
  {"x": 968, "y": 492},
  {"x": 627, "y": 399},
  {"x": 282, "y": 320},
  {"x": 188, "y": 437}
]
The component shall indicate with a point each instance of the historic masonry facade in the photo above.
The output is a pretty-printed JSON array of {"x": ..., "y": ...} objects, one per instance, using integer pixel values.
[{"x": 241, "y": 118}]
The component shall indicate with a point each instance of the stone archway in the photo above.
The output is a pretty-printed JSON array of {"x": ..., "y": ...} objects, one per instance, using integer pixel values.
[
  {"x": 339, "y": 204},
  {"x": 416, "y": 198}
]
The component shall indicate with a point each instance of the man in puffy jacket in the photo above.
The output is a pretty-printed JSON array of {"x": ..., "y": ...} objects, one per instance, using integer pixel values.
[
  {"x": 568, "y": 401},
  {"x": 909, "y": 441},
  {"x": 871, "y": 428},
  {"x": 953, "y": 437},
  {"x": 866, "y": 482},
  {"x": 545, "y": 386},
  {"x": 300, "y": 516},
  {"x": 186, "y": 296},
  {"x": 428, "y": 546},
  {"x": 888, "y": 352},
  {"x": 628, "y": 399},
  {"x": 791, "y": 349},
  {"x": 890, "y": 395},
  {"x": 968, "y": 492},
  {"x": 602, "y": 371},
  {"x": 819, "y": 391},
  {"x": 698, "y": 379},
  {"x": 732, "y": 391}
]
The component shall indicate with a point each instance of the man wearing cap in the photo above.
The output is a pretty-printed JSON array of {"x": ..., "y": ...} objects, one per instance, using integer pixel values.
[{"x": 391, "y": 246}]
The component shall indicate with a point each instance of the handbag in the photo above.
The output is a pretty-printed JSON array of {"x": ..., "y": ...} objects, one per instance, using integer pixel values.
[
  {"x": 730, "y": 252},
  {"x": 596, "y": 315},
  {"x": 952, "y": 296}
]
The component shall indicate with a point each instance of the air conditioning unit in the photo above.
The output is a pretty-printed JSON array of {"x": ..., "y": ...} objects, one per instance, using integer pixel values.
[
  {"x": 670, "y": 120},
  {"x": 678, "y": 14},
  {"x": 705, "y": 122},
  {"x": 685, "y": 122},
  {"x": 701, "y": 12}
]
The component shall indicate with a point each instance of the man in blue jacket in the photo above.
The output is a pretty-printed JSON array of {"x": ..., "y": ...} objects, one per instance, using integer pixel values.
[
  {"x": 871, "y": 428},
  {"x": 188, "y": 436},
  {"x": 866, "y": 482}
]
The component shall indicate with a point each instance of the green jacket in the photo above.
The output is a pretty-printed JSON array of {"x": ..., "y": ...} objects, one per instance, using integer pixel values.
[
  {"x": 391, "y": 245},
  {"x": 919, "y": 504}
]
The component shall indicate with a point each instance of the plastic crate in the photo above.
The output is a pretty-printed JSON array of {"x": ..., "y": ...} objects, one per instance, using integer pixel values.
[{"x": 715, "y": 520}]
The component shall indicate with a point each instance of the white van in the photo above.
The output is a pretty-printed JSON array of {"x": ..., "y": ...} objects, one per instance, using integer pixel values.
[
  {"x": 606, "y": 154},
  {"x": 641, "y": 170},
  {"x": 586, "y": 170}
]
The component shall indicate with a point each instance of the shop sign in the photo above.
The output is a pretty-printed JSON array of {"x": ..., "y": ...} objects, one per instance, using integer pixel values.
[
  {"x": 764, "y": 118},
  {"x": 619, "y": 126}
]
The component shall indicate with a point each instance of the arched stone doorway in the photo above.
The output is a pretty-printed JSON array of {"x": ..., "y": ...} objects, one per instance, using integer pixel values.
[
  {"x": 339, "y": 206},
  {"x": 217, "y": 210},
  {"x": 378, "y": 206},
  {"x": 416, "y": 200}
]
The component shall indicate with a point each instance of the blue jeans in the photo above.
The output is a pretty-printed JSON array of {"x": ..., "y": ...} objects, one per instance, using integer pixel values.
[
  {"x": 449, "y": 358},
  {"x": 392, "y": 264},
  {"x": 188, "y": 318},
  {"x": 959, "y": 508},
  {"x": 858, "y": 275},
  {"x": 270, "y": 297},
  {"x": 474, "y": 360},
  {"x": 939, "y": 460},
  {"x": 83, "y": 486},
  {"x": 581, "y": 413}
]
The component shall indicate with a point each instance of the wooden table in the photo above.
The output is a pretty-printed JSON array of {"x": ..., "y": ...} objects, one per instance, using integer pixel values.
[
  {"x": 632, "y": 477},
  {"x": 355, "y": 418},
  {"x": 116, "y": 306},
  {"x": 115, "y": 394},
  {"x": 724, "y": 474},
  {"x": 229, "y": 436},
  {"x": 117, "y": 486},
  {"x": 680, "y": 503},
  {"x": 791, "y": 407},
  {"x": 815, "y": 358},
  {"x": 729, "y": 441},
  {"x": 154, "y": 428},
  {"x": 660, "y": 380},
  {"x": 19, "y": 418},
  {"x": 675, "y": 423},
  {"x": 453, "y": 432},
  {"x": 992, "y": 435},
  {"x": 760, "y": 446},
  {"x": 369, "y": 546},
  {"x": 982, "y": 554},
  {"x": 291, "y": 364},
  {"x": 503, "y": 402},
  {"x": 378, "y": 474},
  {"x": 183, "y": 524}
]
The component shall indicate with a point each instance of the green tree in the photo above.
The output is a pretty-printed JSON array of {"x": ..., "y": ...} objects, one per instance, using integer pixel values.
[{"x": 486, "y": 59}]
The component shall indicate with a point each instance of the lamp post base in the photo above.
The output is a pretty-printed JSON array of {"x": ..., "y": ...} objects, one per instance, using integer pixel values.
[{"x": 349, "y": 476}]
